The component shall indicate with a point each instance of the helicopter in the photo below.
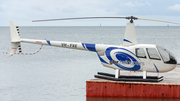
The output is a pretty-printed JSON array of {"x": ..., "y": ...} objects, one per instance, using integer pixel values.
[{"x": 130, "y": 56}]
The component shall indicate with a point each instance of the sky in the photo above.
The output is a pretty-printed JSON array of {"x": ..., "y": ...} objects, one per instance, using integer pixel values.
[{"x": 24, "y": 11}]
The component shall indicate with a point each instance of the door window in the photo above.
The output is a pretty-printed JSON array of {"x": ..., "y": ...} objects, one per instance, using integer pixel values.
[
  {"x": 140, "y": 53},
  {"x": 153, "y": 54}
]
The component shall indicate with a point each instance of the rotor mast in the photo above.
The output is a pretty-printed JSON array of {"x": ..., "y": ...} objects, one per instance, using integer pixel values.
[{"x": 130, "y": 33}]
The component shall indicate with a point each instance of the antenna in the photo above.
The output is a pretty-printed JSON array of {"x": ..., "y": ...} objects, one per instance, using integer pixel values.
[{"x": 77, "y": 37}]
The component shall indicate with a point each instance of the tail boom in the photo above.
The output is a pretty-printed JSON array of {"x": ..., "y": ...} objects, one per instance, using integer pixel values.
[{"x": 63, "y": 44}]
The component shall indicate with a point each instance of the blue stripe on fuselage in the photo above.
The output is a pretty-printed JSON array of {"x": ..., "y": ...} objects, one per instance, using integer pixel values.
[
  {"x": 83, "y": 45},
  {"x": 90, "y": 47},
  {"x": 127, "y": 40},
  {"x": 48, "y": 41},
  {"x": 156, "y": 68},
  {"x": 102, "y": 60}
]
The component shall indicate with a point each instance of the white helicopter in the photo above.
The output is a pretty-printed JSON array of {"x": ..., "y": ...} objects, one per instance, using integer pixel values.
[{"x": 130, "y": 56}]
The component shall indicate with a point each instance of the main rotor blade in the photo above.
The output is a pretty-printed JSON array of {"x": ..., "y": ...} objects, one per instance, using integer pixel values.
[
  {"x": 81, "y": 18},
  {"x": 129, "y": 18},
  {"x": 158, "y": 20}
]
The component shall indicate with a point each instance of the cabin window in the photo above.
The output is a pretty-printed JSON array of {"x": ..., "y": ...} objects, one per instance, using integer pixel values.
[
  {"x": 153, "y": 54},
  {"x": 140, "y": 53}
]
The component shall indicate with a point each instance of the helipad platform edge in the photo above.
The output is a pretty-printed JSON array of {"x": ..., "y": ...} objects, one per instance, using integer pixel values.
[
  {"x": 106, "y": 88},
  {"x": 168, "y": 88}
]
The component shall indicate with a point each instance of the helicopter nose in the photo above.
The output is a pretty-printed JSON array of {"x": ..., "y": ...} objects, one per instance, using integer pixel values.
[
  {"x": 172, "y": 60},
  {"x": 169, "y": 67}
]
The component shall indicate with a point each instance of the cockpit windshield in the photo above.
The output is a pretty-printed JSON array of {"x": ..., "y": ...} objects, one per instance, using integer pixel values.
[{"x": 166, "y": 56}]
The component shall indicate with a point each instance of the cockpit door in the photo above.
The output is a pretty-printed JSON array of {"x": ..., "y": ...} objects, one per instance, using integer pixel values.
[
  {"x": 142, "y": 55},
  {"x": 156, "y": 62}
]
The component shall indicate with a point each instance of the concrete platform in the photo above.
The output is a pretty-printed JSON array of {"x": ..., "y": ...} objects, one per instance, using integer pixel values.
[{"x": 168, "y": 88}]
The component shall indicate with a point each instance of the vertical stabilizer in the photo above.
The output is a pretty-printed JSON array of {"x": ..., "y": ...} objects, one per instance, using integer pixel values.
[
  {"x": 15, "y": 39},
  {"x": 14, "y": 32},
  {"x": 130, "y": 35}
]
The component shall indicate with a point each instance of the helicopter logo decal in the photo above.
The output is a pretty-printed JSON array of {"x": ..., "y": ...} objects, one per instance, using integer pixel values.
[{"x": 123, "y": 58}]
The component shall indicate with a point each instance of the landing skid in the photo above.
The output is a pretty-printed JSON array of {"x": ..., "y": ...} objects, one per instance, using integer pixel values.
[{"x": 108, "y": 76}]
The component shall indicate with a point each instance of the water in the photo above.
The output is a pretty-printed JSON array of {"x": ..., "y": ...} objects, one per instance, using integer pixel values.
[{"x": 59, "y": 74}]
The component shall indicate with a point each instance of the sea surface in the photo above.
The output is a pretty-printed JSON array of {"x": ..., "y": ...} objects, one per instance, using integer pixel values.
[{"x": 60, "y": 74}]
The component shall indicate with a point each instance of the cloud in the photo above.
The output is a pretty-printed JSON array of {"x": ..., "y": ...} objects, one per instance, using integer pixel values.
[
  {"x": 2, "y": 7},
  {"x": 175, "y": 7},
  {"x": 147, "y": 3},
  {"x": 133, "y": 4},
  {"x": 24, "y": 11}
]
